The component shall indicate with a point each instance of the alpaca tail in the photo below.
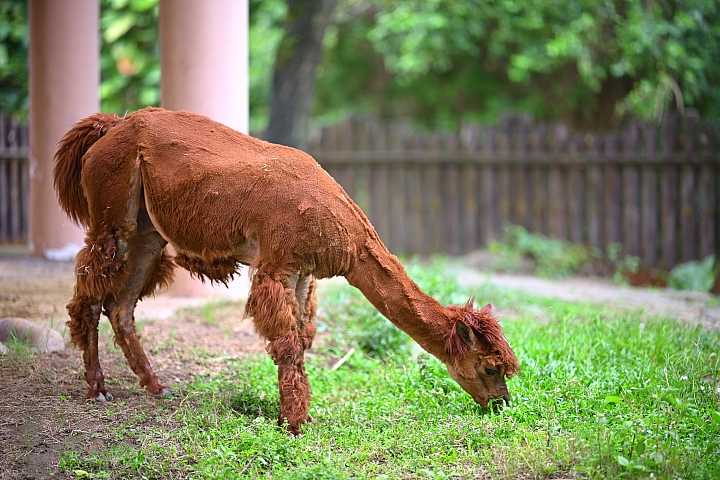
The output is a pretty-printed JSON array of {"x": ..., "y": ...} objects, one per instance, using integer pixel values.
[{"x": 67, "y": 173}]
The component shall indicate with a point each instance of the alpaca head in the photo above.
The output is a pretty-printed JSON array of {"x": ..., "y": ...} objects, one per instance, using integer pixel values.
[{"x": 480, "y": 357}]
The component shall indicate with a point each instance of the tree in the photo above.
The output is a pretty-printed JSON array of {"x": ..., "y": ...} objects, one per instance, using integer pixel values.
[
  {"x": 297, "y": 58},
  {"x": 588, "y": 62},
  {"x": 591, "y": 63}
]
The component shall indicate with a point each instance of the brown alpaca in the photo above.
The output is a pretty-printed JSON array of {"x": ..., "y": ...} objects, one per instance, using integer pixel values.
[{"x": 223, "y": 199}]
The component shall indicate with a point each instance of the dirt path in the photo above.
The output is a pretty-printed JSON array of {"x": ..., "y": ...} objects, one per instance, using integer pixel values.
[
  {"x": 43, "y": 411},
  {"x": 690, "y": 307}
]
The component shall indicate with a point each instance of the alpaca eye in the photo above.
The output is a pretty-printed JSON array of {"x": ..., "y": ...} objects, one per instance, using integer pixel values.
[{"x": 490, "y": 371}]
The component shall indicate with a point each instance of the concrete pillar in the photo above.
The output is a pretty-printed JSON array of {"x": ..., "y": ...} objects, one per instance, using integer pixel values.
[
  {"x": 204, "y": 64},
  {"x": 204, "y": 59},
  {"x": 64, "y": 82}
]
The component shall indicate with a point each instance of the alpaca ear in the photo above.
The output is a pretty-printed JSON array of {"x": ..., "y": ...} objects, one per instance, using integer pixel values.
[{"x": 467, "y": 335}]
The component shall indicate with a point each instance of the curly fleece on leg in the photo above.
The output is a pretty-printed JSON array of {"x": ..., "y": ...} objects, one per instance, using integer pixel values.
[{"x": 274, "y": 308}]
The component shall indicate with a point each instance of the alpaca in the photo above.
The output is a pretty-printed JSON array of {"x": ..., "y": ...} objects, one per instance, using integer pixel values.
[{"x": 223, "y": 199}]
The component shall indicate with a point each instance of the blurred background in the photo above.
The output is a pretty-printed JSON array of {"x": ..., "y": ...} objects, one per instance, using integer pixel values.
[
  {"x": 591, "y": 63},
  {"x": 449, "y": 122}
]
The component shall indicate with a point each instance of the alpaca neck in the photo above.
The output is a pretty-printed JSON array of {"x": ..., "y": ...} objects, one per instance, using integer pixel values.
[{"x": 382, "y": 279}]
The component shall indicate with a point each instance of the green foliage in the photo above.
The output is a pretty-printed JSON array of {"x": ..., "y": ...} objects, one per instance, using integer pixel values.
[
  {"x": 266, "y": 30},
  {"x": 553, "y": 258},
  {"x": 129, "y": 56},
  {"x": 695, "y": 275},
  {"x": 130, "y": 62},
  {"x": 622, "y": 264},
  {"x": 13, "y": 58},
  {"x": 602, "y": 394},
  {"x": 589, "y": 62},
  {"x": 370, "y": 331},
  {"x": 353, "y": 321}
]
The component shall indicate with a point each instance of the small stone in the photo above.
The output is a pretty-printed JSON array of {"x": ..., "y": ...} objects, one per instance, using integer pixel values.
[{"x": 43, "y": 339}]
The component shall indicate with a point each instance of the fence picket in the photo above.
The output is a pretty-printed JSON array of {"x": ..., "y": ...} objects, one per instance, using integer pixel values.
[
  {"x": 490, "y": 227},
  {"x": 15, "y": 222},
  {"x": 650, "y": 213},
  {"x": 470, "y": 190},
  {"x": 708, "y": 197},
  {"x": 452, "y": 199},
  {"x": 688, "y": 193},
  {"x": 669, "y": 210},
  {"x": 631, "y": 194},
  {"x": 594, "y": 194},
  {"x": 4, "y": 201},
  {"x": 611, "y": 194}
]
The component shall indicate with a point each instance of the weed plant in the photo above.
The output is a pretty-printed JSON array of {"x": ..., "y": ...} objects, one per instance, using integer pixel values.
[
  {"x": 602, "y": 394},
  {"x": 553, "y": 258}
]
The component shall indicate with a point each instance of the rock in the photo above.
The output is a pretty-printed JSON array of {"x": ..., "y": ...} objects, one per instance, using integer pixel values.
[{"x": 42, "y": 339}]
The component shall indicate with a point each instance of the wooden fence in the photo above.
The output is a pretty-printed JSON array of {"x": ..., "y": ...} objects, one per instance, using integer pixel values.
[
  {"x": 14, "y": 180},
  {"x": 655, "y": 190}
]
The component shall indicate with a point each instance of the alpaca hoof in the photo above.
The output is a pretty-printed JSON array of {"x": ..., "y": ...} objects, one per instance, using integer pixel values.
[
  {"x": 165, "y": 393},
  {"x": 104, "y": 397}
]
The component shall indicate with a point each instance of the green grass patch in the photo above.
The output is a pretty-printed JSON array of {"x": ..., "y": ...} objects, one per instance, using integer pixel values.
[{"x": 602, "y": 394}]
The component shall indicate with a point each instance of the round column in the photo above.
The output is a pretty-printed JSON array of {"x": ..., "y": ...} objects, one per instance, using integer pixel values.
[
  {"x": 64, "y": 82},
  {"x": 204, "y": 64}
]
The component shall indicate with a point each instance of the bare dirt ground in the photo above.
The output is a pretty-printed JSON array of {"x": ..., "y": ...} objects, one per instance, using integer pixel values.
[{"x": 43, "y": 409}]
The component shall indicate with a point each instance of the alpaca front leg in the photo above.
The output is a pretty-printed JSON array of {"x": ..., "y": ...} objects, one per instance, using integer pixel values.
[
  {"x": 277, "y": 315},
  {"x": 84, "y": 318},
  {"x": 288, "y": 355},
  {"x": 306, "y": 295}
]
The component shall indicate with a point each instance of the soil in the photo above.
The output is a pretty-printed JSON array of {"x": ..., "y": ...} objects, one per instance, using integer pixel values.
[{"x": 43, "y": 409}]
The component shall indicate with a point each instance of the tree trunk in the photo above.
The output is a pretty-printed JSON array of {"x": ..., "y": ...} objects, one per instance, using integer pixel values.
[{"x": 294, "y": 79}]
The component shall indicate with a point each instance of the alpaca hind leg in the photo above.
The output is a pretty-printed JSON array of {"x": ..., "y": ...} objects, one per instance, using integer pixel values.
[
  {"x": 84, "y": 317},
  {"x": 275, "y": 310},
  {"x": 98, "y": 269},
  {"x": 144, "y": 259}
]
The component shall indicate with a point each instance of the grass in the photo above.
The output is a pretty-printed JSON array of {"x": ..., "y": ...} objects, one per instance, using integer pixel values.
[{"x": 602, "y": 394}]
